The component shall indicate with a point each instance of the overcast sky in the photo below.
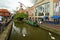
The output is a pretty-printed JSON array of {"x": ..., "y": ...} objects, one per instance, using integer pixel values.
[{"x": 12, "y": 5}]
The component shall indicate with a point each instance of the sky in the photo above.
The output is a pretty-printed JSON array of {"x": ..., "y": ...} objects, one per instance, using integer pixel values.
[{"x": 13, "y": 5}]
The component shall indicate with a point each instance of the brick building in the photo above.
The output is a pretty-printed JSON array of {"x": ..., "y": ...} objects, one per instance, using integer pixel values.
[{"x": 4, "y": 12}]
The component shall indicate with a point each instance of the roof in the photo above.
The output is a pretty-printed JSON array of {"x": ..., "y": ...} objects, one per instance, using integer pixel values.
[{"x": 4, "y": 10}]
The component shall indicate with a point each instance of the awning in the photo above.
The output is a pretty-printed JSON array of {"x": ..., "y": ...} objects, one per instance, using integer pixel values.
[
  {"x": 46, "y": 17},
  {"x": 55, "y": 17},
  {"x": 59, "y": 17}
]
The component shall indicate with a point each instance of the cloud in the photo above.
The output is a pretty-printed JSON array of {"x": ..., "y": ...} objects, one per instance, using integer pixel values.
[
  {"x": 12, "y": 5},
  {"x": 26, "y": 3}
]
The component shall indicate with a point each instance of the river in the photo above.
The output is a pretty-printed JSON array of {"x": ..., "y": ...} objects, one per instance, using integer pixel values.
[{"x": 23, "y": 31}]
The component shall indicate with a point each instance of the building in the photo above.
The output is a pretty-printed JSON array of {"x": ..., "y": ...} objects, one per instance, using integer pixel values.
[
  {"x": 30, "y": 12},
  {"x": 4, "y": 12},
  {"x": 44, "y": 8},
  {"x": 4, "y": 15},
  {"x": 21, "y": 10}
]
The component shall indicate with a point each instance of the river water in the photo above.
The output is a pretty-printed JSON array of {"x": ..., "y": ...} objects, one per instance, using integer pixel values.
[{"x": 22, "y": 31}]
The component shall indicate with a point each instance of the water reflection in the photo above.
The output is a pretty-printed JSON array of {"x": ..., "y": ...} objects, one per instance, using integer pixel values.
[
  {"x": 16, "y": 29},
  {"x": 53, "y": 38},
  {"x": 20, "y": 31},
  {"x": 50, "y": 34},
  {"x": 24, "y": 32}
]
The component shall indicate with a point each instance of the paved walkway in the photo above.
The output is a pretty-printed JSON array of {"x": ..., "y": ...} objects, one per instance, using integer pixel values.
[
  {"x": 51, "y": 26},
  {"x": 4, "y": 34},
  {"x": 57, "y": 27},
  {"x": 3, "y": 25}
]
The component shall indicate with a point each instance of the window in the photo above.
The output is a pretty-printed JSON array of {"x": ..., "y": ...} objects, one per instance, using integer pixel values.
[
  {"x": 40, "y": 10},
  {"x": 40, "y": 14},
  {"x": 40, "y": 19},
  {"x": 47, "y": 5},
  {"x": 36, "y": 13}
]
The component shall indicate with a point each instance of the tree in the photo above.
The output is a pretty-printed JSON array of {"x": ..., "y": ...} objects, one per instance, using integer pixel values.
[{"x": 20, "y": 16}]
